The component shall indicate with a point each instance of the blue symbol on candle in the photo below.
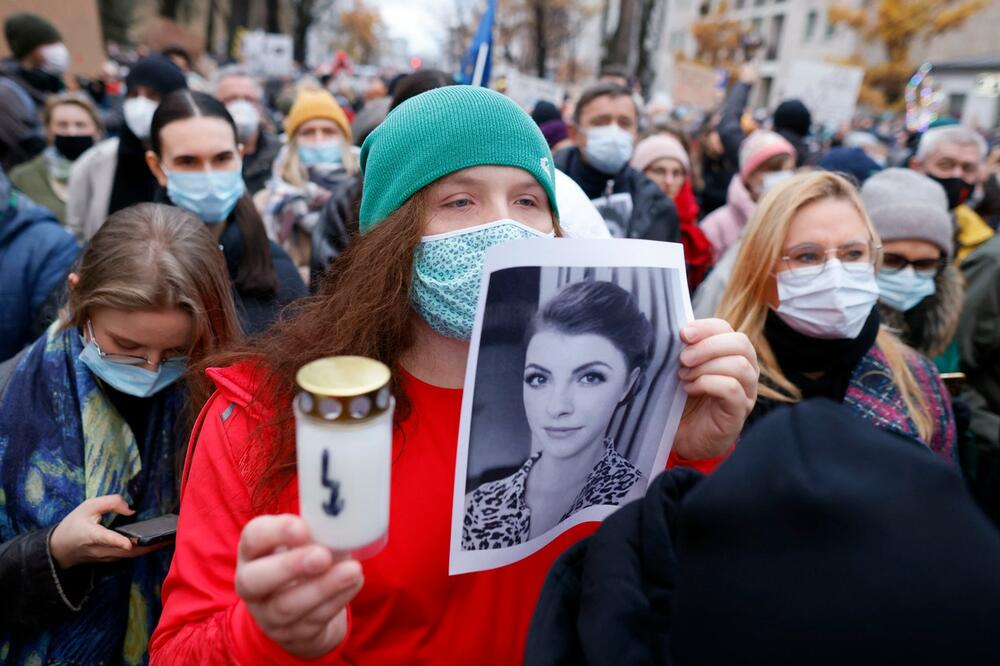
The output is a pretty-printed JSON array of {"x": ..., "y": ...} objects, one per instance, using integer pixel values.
[{"x": 336, "y": 504}]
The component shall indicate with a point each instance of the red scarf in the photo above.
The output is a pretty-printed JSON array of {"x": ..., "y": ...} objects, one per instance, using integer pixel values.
[{"x": 697, "y": 248}]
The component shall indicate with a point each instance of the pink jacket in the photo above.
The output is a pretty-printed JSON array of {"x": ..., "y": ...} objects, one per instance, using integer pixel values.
[{"x": 724, "y": 226}]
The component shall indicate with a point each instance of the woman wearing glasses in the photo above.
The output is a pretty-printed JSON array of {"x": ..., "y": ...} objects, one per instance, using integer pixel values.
[
  {"x": 920, "y": 289},
  {"x": 93, "y": 419},
  {"x": 812, "y": 314}
]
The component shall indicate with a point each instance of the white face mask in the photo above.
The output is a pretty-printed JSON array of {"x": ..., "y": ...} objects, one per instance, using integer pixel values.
[
  {"x": 827, "y": 303},
  {"x": 55, "y": 59},
  {"x": 246, "y": 117},
  {"x": 608, "y": 149},
  {"x": 138, "y": 112},
  {"x": 774, "y": 178}
]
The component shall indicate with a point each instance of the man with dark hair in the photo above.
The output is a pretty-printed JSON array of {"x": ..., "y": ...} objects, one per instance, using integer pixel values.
[
  {"x": 604, "y": 129},
  {"x": 26, "y": 80}
]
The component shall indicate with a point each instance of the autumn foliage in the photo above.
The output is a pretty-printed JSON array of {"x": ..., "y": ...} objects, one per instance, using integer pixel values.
[{"x": 899, "y": 25}]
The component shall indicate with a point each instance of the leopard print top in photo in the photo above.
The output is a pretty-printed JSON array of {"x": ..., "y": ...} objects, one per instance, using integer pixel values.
[{"x": 497, "y": 515}]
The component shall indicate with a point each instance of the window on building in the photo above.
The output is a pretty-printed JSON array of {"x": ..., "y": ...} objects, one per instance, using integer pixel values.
[
  {"x": 757, "y": 26},
  {"x": 774, "y": 41},
  {"x": 956, "y": 104},
  {"x": 831, "y": 28},
  {"x": 758, "y": 3},
  {"x": 811, "y": 18},
  {"x": 740, "y": 4},
  {"x": 766, "y": 86}
]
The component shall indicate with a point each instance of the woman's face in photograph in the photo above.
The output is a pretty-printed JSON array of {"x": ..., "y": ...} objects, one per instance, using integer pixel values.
[{"x": 572, "y": 385}]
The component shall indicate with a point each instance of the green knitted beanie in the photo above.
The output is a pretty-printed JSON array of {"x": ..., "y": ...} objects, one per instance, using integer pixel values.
[
  {"x": 443, "y": 131},
  {"x": 26, "y": 32}
]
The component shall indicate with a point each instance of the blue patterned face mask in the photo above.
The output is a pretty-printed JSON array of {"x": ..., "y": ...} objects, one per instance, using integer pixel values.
[
  {"x": 447, "y": 270},
  {"x": 210, "y": 195},
  {"x": 327, "y": 152}
]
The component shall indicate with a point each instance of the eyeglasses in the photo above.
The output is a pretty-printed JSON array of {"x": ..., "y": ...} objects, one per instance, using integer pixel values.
[
  {"x": 130, "y": 359},
  {"x": 893, "y": 263},
  {"x": 855, "y": 256}
]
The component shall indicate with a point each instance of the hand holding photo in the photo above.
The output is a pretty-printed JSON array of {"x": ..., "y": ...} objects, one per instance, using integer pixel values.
[{"x": 572, "y": 396}]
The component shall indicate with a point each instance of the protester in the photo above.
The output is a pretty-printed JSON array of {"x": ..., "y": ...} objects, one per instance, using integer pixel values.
[
  {"x": 35, "y": 256},
  {"x": 195, "y": 158},
  {"x": 244, "y": 99},
  {"x": 93, "y": 419},
  {"x": 852, "y": 162},
  {"x": 979, "y": 341},
  {"x": 663, "y": 159},
  {"x": 720, "y": 139},
  {"x": 113, "y": 174},
  {"x": 793, "y": 121},
  {"x": 72, "y": 126},
  {"x": 605, "y": 125},
  {"x": 873, "y": 147},
  {"x": 377, "y": 98},
  {"x": 953, "y": 156},
  {"x": 549, "y": 119},
  {"x": 316, "y": 165},
  {"x": 481, "y": 160},
  {"x": 418, "y": 82},
  {"x": 821, "y": 541},
  {"x": 765, "y": 160},
  {"x": 803, "y": 289},
  {"x": 989, "y": 206},
  {"x": 920, "y": 289},
  {"x": 26, "y": 80}
]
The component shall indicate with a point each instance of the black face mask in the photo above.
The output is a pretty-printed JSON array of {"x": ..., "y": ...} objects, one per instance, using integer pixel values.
[
  {"x": 958, "y": 190},
  {"x": 71, "y": 147},
  {"x": 42, "y": 81}
]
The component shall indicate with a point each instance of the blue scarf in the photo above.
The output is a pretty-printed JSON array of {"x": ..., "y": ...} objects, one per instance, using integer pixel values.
[{"x": 61, "y": 442}]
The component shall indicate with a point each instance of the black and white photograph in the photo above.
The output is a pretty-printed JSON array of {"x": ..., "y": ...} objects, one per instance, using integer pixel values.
[{"x": 571, "y": 392}]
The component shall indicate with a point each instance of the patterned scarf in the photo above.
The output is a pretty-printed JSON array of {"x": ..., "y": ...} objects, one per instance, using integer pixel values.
[{"x": 61, "y": 442}]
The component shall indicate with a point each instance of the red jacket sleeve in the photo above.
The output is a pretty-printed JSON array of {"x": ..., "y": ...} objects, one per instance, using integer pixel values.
[
  {"x": 705, "y": 466},
  {"x": 203, "y": 620}
]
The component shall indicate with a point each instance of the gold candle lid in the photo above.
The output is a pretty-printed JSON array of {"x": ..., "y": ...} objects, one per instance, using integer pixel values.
[{"x": 344, "y": 389}]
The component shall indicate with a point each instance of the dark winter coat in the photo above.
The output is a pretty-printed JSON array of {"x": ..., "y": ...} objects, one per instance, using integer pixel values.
[
  {"x": 716, "y": 172},
  {"x": 653, "y": 217},
  {"x": 36, "y": 254},
  {"x": 790, "y": 553},
  {"x": 338, "y": 223}
]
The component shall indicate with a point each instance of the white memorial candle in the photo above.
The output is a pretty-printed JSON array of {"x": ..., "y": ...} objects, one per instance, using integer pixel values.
[{"x": 343, "y": 433}]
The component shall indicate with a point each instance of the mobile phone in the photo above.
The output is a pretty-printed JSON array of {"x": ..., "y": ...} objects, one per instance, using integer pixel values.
[
  {"x": 953, "y": 381},
  {"x": 161, "y": 529}
]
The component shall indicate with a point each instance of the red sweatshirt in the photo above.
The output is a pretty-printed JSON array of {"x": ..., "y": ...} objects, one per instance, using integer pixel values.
[{"x": 409, "y": 610}]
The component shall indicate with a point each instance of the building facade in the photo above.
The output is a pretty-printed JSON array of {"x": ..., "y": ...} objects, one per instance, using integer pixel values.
[{"x": 799, "y": 30}]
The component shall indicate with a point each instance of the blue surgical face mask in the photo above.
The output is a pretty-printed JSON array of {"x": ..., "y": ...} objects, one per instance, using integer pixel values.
[
  {"x": 903, "y": 290},
  {"x": 447, "y": 270},
  {"x": 211, "y": 195},
  {"x": 131, "y": 379},
  {"x": 608, "y": 148},
  {"x": 327, "y": 152}
]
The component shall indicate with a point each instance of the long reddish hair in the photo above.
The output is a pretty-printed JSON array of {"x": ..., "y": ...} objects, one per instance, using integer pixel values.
[{"x": 362, "y": 308}]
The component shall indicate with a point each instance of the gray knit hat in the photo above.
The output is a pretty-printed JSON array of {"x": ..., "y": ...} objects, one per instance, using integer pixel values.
[{"x": 904, "y": 204}]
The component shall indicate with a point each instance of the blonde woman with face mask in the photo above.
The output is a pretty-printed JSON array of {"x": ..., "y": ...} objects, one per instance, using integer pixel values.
[{"x": 803, "y": 289}]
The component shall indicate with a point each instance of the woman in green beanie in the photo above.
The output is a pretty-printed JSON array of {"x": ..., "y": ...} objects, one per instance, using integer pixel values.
[{"x": 449, "y": 173}]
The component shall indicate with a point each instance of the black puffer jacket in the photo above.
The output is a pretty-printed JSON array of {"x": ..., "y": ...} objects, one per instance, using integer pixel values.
[
  {"x": 338, "y": 224},
  {"x": 653, "y": 214}
]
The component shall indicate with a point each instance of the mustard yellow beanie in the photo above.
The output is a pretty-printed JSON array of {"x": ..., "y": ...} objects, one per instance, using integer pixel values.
[{"x": 314, "y": 103}]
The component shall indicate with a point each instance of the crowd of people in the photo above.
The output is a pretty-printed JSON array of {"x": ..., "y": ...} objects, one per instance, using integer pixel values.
[{"x": 174, "y": 247}]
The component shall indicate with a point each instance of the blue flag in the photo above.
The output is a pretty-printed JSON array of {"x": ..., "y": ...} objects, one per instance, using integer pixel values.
[{"x": 479, "y": 57}]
